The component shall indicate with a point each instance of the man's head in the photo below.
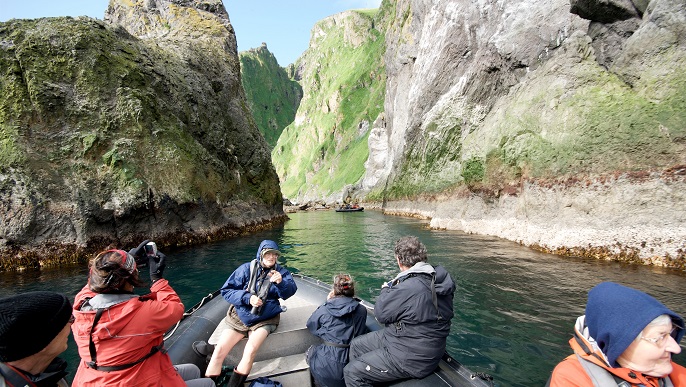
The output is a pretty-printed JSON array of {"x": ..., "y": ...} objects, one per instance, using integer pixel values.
[
  {"x": 33, "y": 322},
  {"x": 409, "y": 250}
]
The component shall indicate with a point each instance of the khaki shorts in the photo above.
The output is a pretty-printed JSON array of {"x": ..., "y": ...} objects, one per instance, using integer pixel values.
[{"x": 235, "y": 323}]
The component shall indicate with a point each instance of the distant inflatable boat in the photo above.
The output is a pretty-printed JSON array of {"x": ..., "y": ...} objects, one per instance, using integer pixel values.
[
  {"x": 343, "y": 209},
  {"x": 282, "y": 356}
]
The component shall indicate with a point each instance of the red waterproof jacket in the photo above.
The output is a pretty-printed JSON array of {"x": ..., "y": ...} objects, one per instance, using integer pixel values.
[
  {"x": 125, "y": 333},
  {"x": 571, "y": 373}
]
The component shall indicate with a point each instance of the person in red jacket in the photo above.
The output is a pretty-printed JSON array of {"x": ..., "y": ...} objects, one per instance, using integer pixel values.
[
  {"x": 120, "y": 334},
  {"x": 626, "y": 336}
]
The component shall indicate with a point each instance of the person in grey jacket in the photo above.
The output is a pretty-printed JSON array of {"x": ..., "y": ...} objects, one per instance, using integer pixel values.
[{"x": 416, "y": 308}]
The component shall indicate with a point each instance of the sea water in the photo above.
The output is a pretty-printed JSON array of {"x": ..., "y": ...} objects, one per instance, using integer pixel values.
[{"x": 515, "y": 308}]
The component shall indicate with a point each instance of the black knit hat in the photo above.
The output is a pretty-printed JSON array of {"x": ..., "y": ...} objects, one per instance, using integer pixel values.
[{"x": 29, "y": 322}]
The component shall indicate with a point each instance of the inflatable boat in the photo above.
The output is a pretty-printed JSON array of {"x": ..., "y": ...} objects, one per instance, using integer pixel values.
[
  {"x": 351, "y": 209},
  {"x": 282, "y": 356}
]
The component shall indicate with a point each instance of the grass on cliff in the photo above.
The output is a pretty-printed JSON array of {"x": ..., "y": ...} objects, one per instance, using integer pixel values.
[
  {"x": 273, "y": 96},
  {"x": 346, "y": 88}
]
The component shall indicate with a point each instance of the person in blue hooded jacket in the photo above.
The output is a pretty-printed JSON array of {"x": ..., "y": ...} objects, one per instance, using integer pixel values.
[
  {"x": 337, "y": 322},
  {"x": 253, "y": 290},
  {"x": 416, "y": 308}
]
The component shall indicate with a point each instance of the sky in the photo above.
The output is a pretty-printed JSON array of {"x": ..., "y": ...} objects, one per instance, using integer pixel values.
[{"x": 283, "y": 24}]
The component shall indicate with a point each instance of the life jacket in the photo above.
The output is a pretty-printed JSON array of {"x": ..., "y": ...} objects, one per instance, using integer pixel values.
[
  {"x": 603, "y": 378},
  {"x": 254, "y": 274},
  {"x": 101, "y": 303}
]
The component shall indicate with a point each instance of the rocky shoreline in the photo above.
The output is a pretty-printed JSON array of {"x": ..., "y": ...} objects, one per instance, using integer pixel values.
[
  {"x": 58, "y": 254},
  {"x": 637, "y": 218}
]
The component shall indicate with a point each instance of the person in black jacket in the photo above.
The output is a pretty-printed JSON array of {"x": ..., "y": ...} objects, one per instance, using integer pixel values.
[
  {"x": 34, "y": 328},
  {"x": 416, "y": 308},
  {"x": 337, "y": 322}
]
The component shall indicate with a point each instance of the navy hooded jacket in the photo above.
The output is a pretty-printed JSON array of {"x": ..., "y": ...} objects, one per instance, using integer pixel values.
[
  {"x": 338, "y": 321},
  {"x": 236, "y": 291}
]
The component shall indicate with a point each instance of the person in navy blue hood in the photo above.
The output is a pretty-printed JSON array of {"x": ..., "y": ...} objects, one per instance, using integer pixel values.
[
  {"x": 626, "y": 338},
  {"x": 416, "y": 308},
  {"x": 253, "y": 290},
  {"x": 337, "y": 322}
]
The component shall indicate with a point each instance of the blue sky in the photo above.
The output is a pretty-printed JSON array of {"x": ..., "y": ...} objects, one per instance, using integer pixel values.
[{"x": 283, "y": 24}]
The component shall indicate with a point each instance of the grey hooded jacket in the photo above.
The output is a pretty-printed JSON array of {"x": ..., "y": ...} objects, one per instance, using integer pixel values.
[{"x": 417, "y": 319}]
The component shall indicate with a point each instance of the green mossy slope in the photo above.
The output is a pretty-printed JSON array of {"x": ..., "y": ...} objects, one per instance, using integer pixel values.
[
  {"x": 343, "y": 83},
  {"x": 273, "y": 97}
]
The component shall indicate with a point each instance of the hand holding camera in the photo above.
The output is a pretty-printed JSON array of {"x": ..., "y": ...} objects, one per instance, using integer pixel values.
[
  {"x": 255, "y": 301},
  {"x": 157, "y": 261},
  {"x": 139, "y": 253}
]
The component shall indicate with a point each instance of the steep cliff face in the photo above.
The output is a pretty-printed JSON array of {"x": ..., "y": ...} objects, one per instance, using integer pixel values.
[
  {"x": 272, "y": 95},
  {"x": 343, "y": 81},
  {"x": 130, "y": 128},
  {"x": 491, "y": 106}
]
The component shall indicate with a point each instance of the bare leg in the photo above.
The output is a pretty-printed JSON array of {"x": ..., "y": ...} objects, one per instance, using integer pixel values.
[
  {"x": 228, "y": 339},
  {"x": 255, "y": 340}
]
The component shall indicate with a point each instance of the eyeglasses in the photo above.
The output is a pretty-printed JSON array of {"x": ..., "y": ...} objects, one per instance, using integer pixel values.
[{"x": 661, "y": 340}]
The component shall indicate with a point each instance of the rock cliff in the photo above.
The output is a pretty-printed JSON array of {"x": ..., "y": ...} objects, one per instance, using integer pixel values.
[
  {"x": 341, "y": 73},
  {"x": 272, "y": 95},
  {"x": 557, "y": 125},
  {"x": 135, "y": 127}
]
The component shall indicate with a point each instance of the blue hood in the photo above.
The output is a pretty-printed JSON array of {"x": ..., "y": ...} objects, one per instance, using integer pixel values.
[
  {"x": 341, "y": 305},
  {"x": 266, "y": 244},
  {"x": 616, "y": 314}
]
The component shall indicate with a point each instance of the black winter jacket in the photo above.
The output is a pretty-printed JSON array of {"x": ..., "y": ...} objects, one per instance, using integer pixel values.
[
  {"x": 416, "y": 329},
  {"x": 338, "y": 321},
  {"x": 53, "y": 376}
]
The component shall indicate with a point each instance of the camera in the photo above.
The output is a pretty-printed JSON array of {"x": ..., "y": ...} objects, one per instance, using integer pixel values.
[{"x": 151, "y": 249}]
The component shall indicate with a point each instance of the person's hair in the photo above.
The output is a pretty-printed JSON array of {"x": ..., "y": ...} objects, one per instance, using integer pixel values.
[
  {"x": 662, "y": 319},
  {"x": 343, "y": 285},
  {"x": 409, "y": 250},
  {"x": 108, "y": 275}
]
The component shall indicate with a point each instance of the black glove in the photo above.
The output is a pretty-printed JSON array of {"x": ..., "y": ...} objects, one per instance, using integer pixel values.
[
  {"x": 139, "y": 253},
  {"x": 157, "y": 265}
]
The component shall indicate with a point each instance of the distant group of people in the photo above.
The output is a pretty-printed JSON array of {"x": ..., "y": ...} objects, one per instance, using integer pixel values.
[{"x": 625, "y": 338}]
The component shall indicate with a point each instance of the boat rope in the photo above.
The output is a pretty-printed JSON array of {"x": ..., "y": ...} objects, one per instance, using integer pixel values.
[{"x": 194, "y": 309}]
